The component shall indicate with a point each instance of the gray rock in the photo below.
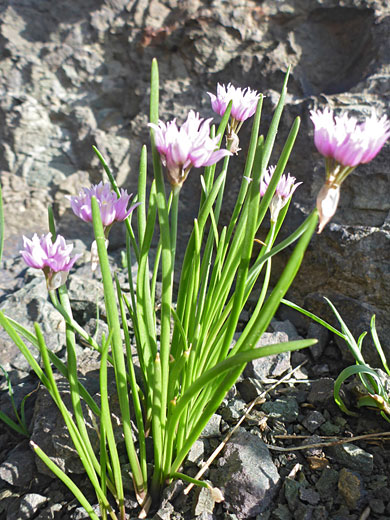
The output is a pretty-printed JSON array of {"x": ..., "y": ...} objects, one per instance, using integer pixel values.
[
  {"x": 320, "y": 513},
  {"x": 377, "y": 506},
  {"x": 286, "y": 409},
  {"x": 6, "y": 496},
  {"x": 287, "y": 327},
  {"x": 321, "y": 393},
  {"x": 196, "y": 453},
  {"x": 206, "y": 516},
  {"x": 313, "y": 421},
  {"x": 328, "y": 428},
  {"x": 22, "y": 385},
  {"x": 18, "y": 469},
  {"x": 309, "y": 496},
  {"x": 246, "y": 475},
  {"x": 213, "y": 427},
  {"x": 250, "y": 388},
  {"x": 29, "y": 304},
  {"x": 353, "y": 457},
  {"x": 312, "y": 450},
  {"x": 270, "y": 366},
  {"x": 321, "y": 334},
  {"x": 351, "y": 488},
  {"x": 51, "y": 435},
  {"x": 327, "y": 483},
  {"x": 165, "y": 512},
  {"x": 291, "y": 488},
  {"x": 204, "y": 502},
  {"x": 232, "y": 409},
  {"x": 303, "y": 512},
  {"x": 50, "y": 512},
  {"x": 282, "y": 512},
  {"x": 81, "y": 514},
  {"x": 30, "y": 504}
]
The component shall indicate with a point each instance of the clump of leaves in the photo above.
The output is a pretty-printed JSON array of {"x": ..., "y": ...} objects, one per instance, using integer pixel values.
[{"x": 375, "y": 394}]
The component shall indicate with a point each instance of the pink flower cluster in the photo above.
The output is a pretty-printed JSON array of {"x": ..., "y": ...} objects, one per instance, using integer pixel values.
[
  {"x": 345, "y": 140},
  {"x": 345, "y": 144},
  {"x": 284, "y": 190},
  {"x": 112, "y": 208},
  {"x": 244, "y": 101},
  {"x": 190, "y": 145},
  {"x": 51, "y": 257}
]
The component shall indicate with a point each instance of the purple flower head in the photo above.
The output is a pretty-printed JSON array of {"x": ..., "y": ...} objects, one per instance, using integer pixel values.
[
  {"x": 112, "y": 208},
  {"x": 244, "y": 101},
  {"x": 345, "y": 140},
  {"x": 51, "y": 257},
  {"x": 284, "y": 191},
  {"x": 190, "y": 145},
  {"x": 345, "y": 144}
]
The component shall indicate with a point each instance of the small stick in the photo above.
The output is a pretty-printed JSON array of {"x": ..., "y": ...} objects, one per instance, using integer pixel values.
[
  {"x": 365, "y": 514},
  {"x": 343, "y": 440}
]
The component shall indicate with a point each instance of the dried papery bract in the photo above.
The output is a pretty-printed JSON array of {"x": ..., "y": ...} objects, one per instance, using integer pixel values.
[
  {"x": 327, "y": 201},
  {"x": 345, "y": 143}
]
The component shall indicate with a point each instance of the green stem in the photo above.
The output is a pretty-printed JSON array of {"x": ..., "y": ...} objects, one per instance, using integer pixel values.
[
  {"x": 73, "y": 380},
  {"x": 133, "y": 385},
  {"x": 117, "y": 350},
  {"x": 73, "y": 431},
  {"x": 66, "y": 480},
  {"x": 107, "y": 430}
]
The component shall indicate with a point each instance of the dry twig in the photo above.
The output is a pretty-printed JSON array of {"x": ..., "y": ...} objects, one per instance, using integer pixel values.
[{"x": 337, "y": 440}]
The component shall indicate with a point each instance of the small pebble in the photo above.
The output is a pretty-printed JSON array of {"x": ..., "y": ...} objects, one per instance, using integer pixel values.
[
  {"x": 377, "y": 506},
  {"x": 309, "y": 496},
  {"x": 313, "y": 421},
  {"x": 351, "y": 488},
  {"x": 353, "y": 457}
]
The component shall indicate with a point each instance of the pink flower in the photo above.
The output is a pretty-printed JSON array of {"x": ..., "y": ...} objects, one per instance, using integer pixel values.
[
  {"x": 284, "y": 191},
  {"x": 190, "y": 145},
  {"x": 244, "y": 101},
  {"x": 112, "y": 208},
  {"x": 345, "y": 144},
  {"x": 244, "y": 104},
  {"x": 51, "y": 257},
  {"x": 345, "y": 140}
]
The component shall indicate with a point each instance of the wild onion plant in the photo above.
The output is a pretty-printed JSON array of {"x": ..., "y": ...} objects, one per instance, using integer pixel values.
[{"x": 190, "y": 362}]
